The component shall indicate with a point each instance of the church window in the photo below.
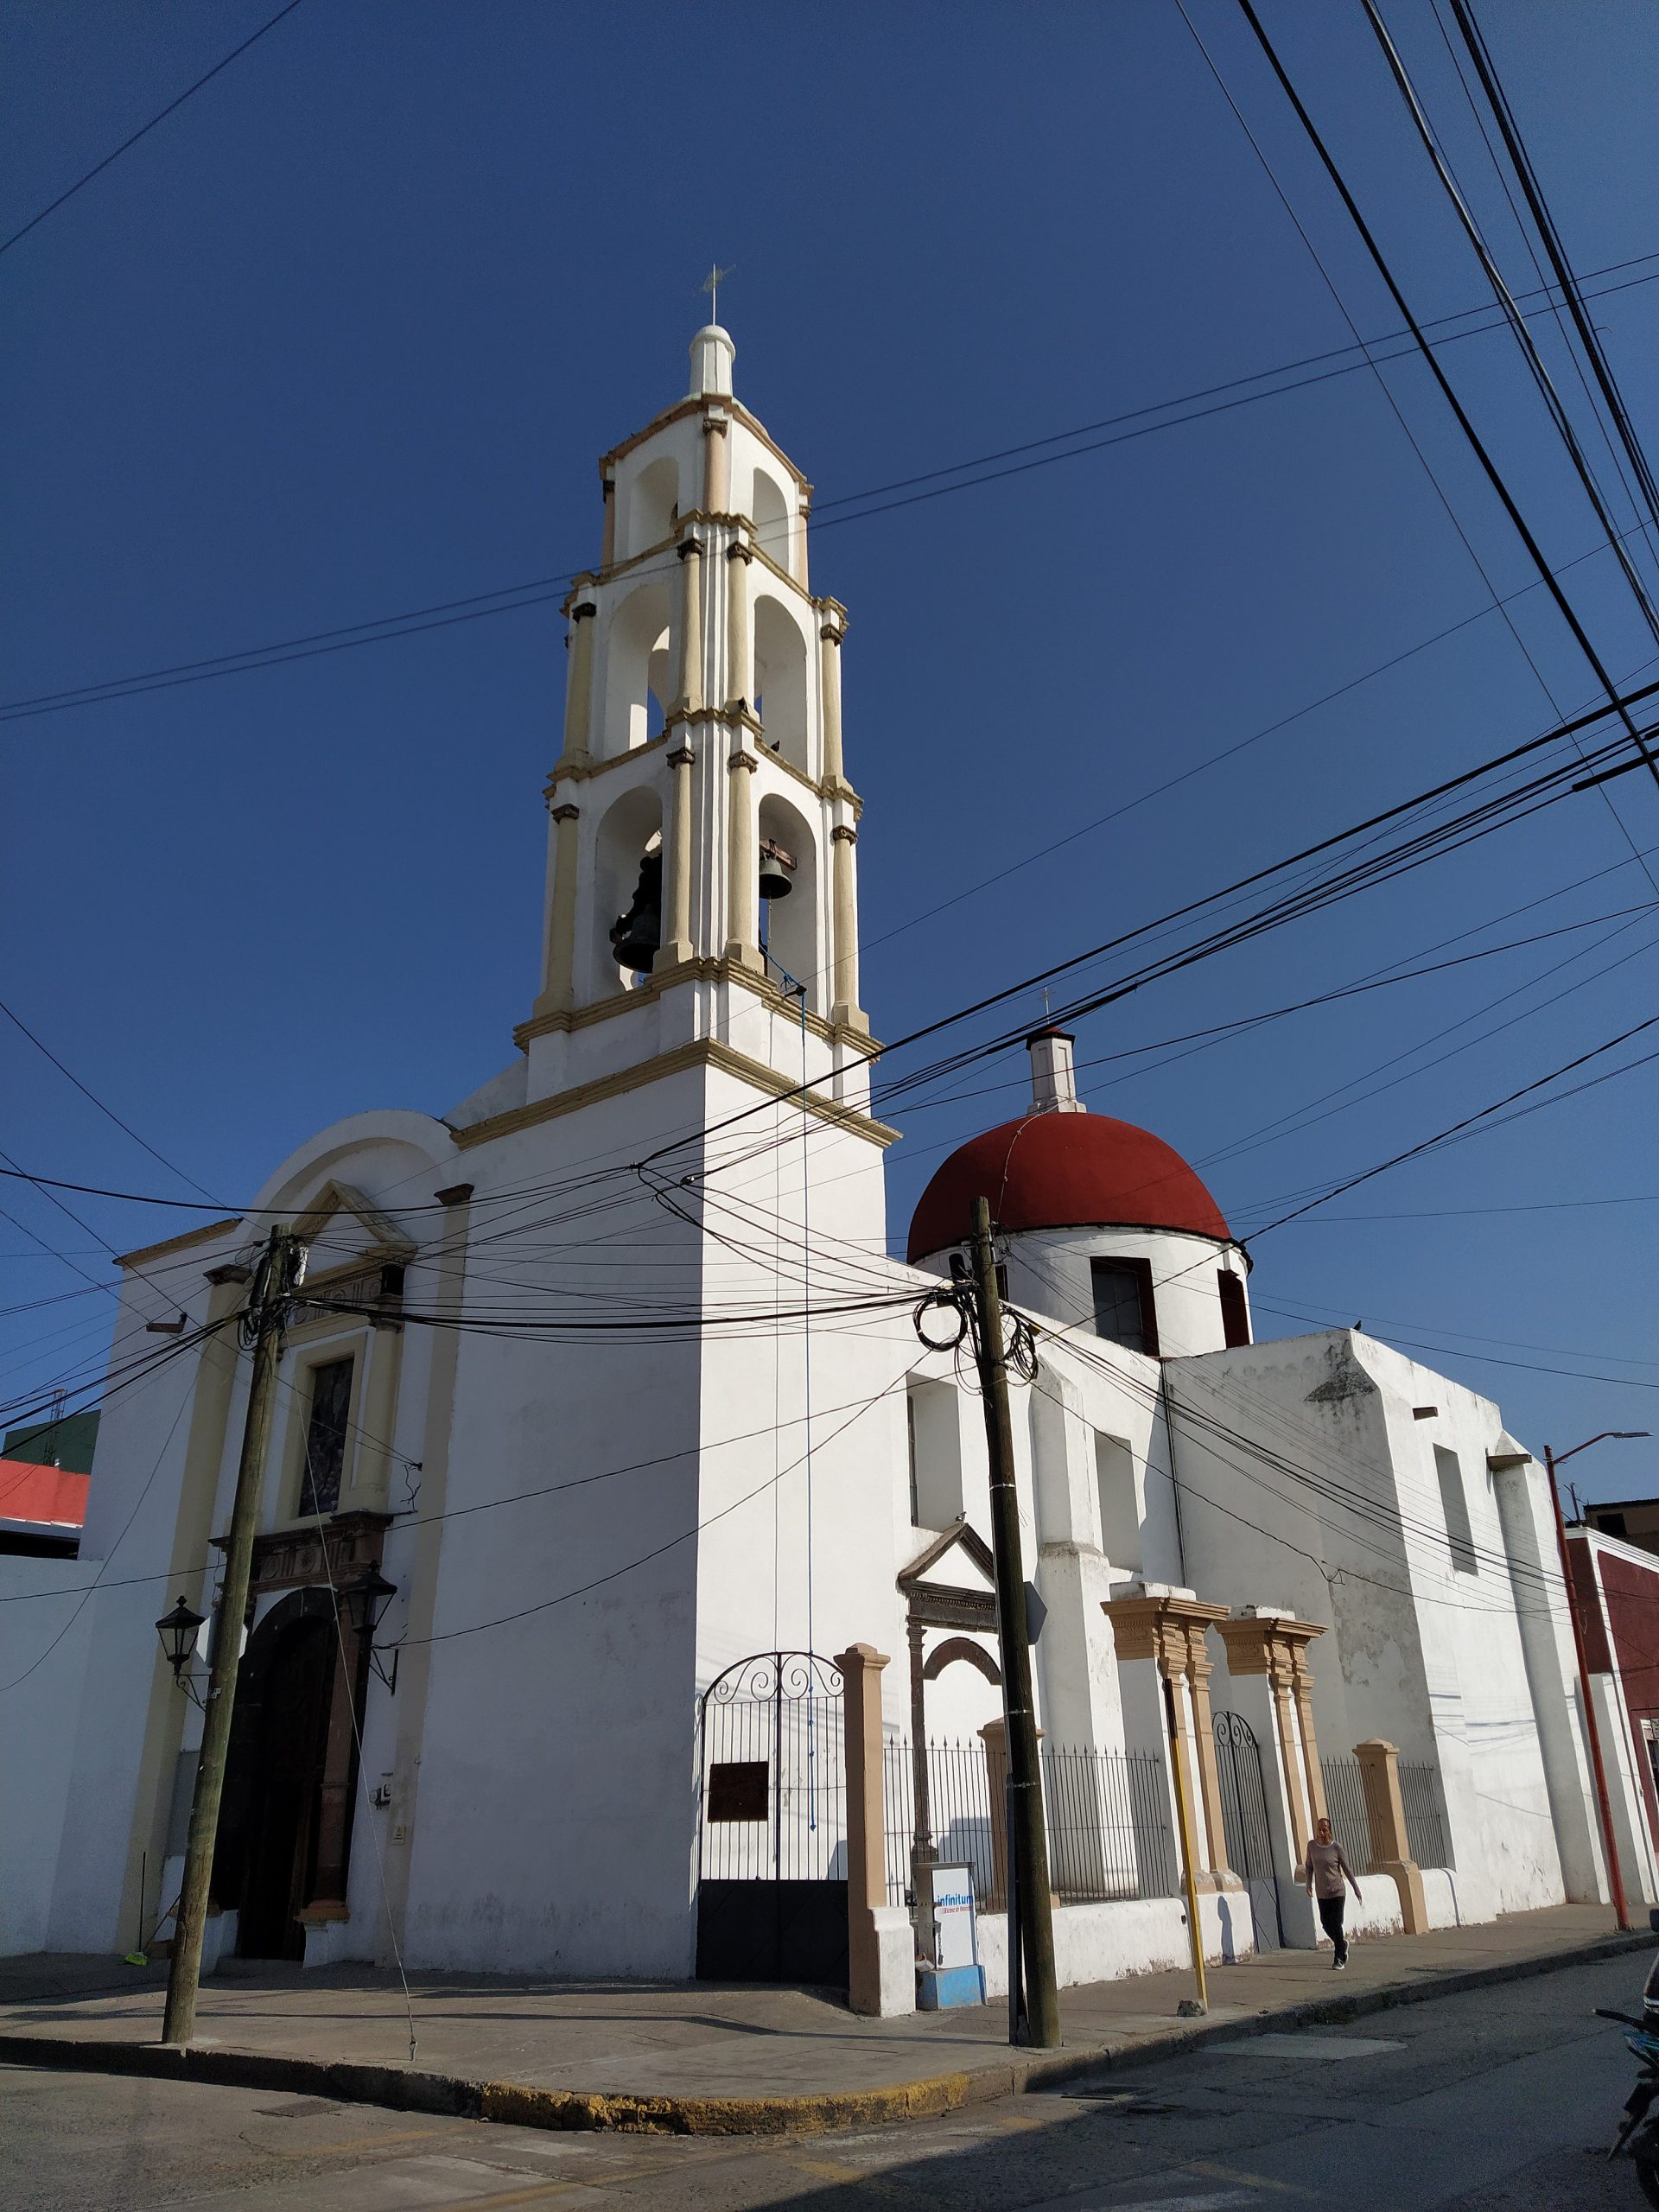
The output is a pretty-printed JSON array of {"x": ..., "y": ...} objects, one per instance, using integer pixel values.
[
  {"x": 1459, "y": 1535},
  {"x": 1123, "y": 1308},
  {"x": 1235, "y": 1314},
  {"x": 326, "y": 1428},
  {"x": 937, "y": 1477},
  {"x": 910, "y": 1425}
]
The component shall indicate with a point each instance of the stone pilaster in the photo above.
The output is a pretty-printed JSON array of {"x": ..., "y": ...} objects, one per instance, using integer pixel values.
[
  {"x": 1168, "y": 1627},
  {"x": 846, "y": 1009},
  {"x": 716, "y": 461},
  {"x": 1265, "y": 1642},
  {"x": 832, "y": 628},
  {"x": 676, "y": 944}
]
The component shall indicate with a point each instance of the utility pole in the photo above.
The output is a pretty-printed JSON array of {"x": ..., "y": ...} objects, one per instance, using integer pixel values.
[
  {"x": 262, "y": 1324},
  {"x": 1610, "y": 1842},
  {"x": 1029, "y": 1902}
]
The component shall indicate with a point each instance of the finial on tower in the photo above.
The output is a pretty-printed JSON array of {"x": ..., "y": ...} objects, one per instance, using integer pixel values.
[
  {"x": 1053, "y": 1073},
  {"x": 712, "y": 350}
]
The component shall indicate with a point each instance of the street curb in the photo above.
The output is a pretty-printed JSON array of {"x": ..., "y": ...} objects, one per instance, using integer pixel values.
[{"x": 410, "y": 2089}]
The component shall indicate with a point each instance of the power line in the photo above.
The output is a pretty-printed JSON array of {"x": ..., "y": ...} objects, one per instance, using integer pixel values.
[
  {"x": 144, "y": 130},
  {"x": 829, "y": 514},
  {"x": 1493, "y": 475}
]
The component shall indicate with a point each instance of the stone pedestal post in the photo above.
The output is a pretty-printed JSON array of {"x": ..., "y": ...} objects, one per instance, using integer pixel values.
[
  {"x": 866, "y": 1857},
  {"x": 1379, "y": 1766},
  {"x": 677, "y": 875},
  {"x": 740, "y": 675},
  {"x": 558, "y": 960}
]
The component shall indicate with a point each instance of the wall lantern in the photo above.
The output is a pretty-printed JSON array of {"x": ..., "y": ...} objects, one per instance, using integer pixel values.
[
  {"x": 365, "y": 1599},
  {"x": 177, "y": 1630}
]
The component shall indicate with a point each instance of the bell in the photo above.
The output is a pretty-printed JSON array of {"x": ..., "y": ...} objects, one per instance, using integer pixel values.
[
  {"x": 637, "y": 936},
  {"x": 777, "y": 871}
]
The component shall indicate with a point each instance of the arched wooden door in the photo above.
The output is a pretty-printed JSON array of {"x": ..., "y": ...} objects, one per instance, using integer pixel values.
[{"x": 285, "y": 1836}]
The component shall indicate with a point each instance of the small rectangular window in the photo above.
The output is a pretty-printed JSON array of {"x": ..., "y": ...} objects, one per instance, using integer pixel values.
[
  {"x": 1120, "y": 1505},
  {"x": 1459, "y": 1535},
  {"x": 1123, "y": 1307},
  {"x": 1235, "y": 1314},
  {"x": 325, "y": 1436}
]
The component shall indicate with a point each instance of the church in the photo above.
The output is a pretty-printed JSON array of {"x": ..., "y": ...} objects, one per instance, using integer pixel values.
[{"x": 606, "y": 1437}]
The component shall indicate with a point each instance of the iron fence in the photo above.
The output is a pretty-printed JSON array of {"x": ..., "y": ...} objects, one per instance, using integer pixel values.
[
  {"x": 1425, "y": 1830},
  {"x": 1107, "y": 1826},
  {"x": 1345, "y": 1803},
  {"x": 1419, "y": 1796}
]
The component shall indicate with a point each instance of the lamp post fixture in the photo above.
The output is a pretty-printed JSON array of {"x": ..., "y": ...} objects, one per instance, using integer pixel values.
[
  {"x": 1610, "y": 1847},
  {"x": 177, "y": 1630},
  {"x": 365, "y": 1599}
]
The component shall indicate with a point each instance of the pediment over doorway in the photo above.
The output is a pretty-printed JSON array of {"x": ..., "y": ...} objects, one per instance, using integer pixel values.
[
  {"x": 934, "y": 1602},
  {"x": 363, "y": 1234}
]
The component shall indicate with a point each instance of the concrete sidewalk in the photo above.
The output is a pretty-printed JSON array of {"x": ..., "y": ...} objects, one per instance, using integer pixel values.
[{"x": 712, "y": 2058}]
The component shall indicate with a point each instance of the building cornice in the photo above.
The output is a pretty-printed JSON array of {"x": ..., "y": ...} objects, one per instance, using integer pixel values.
[
  {"x": 715, "y": 970},
  {"x": 183, "y": 1242},
  {"x": 697, "y": 404},
  {"x": 700, "y": 1053}
]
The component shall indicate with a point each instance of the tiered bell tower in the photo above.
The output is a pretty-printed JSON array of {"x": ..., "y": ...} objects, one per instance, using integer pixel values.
[{"x": 700, "y": 868}]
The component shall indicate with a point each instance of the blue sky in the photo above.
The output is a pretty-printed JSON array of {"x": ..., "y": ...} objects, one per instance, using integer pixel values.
[{"x": 345, "y": 336}]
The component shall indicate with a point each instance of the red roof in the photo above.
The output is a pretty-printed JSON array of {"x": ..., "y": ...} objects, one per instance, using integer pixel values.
[
  {"x": 50, "y": 1495},
  {"x": 1065, "y": 1171}
]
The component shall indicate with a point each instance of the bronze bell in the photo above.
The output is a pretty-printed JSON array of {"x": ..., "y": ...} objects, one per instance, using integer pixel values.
[
  {"x": 637, "y": 936},
  {"x": 777, "y": 870}
]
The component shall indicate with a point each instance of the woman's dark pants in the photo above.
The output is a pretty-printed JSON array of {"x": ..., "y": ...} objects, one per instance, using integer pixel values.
[{"x": 1331, "y": 1912}]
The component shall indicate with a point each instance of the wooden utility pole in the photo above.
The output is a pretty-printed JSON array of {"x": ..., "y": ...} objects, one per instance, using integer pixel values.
[
  {"x": 267, "y": 1308},
  {"x": 1028, "y": 1863}
]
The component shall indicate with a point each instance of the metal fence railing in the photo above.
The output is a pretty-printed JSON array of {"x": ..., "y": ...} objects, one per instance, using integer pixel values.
[
  {"x": 1345, "y": 1802},
  {"x": 1419, "y": 1796},
  {"x": 1425, "y": 1830},
  {"x": 1108, "y": 1833}
]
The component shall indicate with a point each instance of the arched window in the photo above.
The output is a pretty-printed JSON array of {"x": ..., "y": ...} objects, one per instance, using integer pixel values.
[
  {"x": 653, "y": 505},
  {"x": 771, "y": 532},
  {"x": 790, "y": 925},
  {"x": 780, "y": 681},
  {"x": 637, "y": 660},
  {"x": 628, "y": 835}
]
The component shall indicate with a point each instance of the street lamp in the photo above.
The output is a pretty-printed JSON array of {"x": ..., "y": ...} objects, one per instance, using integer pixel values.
[
  {"x": 1552, "y": 1461},
  {"x": 177, "y": 1630},
  {"x": 365, "y": 1598}
]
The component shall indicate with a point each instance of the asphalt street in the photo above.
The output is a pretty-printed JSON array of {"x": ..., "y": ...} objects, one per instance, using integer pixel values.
[{"x": 1499, "y": 2098}]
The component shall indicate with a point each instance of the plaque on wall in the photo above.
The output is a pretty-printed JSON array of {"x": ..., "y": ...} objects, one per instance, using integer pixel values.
[{"x": 738, "y": 1789}]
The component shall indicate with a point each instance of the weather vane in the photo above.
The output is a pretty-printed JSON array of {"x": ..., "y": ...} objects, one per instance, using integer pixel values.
[{"x": 711, "y": 284}]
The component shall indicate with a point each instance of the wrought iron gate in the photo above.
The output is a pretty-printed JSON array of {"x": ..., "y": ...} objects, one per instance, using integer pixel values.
[
  {"x": 772, "y": 1844},
  {"x": 1244, "y": 1817}
]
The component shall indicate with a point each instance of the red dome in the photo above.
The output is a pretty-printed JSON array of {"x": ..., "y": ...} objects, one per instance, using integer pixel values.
[{"x": 1063, "y": 1171}]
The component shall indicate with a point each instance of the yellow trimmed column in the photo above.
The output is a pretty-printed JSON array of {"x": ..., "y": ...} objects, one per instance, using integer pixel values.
[
  {"x": 716, "y": 461},
  {"x": 1204, "y": 1741},
  {"x": 846, "y": 1009},
  {"x": 740, "y": 652},
  {"x": 689, "y": 701},
  {"x": 742, "y": 880},
  {"x": 558, "y": 962},
  {"x": 1168, "y": 1627},
  {"x": 860, "y": 1669},
  {"x": 832, "y": 628},
  {"x": 1265, "y": 1642},
  {"x": 677, "y": 946},
  {"x": 1301, "y": 1682},
  {"x": 579, "y": 685}
]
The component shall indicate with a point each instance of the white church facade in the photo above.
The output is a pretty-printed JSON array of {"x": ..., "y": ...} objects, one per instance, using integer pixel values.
[{"x": 608, "y": 1373}]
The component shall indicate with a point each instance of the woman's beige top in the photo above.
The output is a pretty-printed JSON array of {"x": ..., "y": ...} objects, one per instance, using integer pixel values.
[{"x": 1327, "y": 1868}]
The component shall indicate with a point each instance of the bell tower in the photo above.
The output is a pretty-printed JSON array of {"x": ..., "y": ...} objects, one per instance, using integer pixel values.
[{"x": 701, "y": 872}]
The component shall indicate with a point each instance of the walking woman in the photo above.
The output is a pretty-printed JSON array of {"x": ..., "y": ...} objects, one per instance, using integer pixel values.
[{"x": 1326, "y": 1871}]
